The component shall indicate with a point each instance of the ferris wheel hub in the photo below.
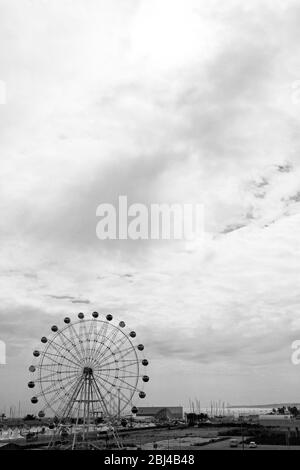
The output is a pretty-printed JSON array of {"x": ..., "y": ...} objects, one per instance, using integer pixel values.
[{"x": 87, "y": 371}]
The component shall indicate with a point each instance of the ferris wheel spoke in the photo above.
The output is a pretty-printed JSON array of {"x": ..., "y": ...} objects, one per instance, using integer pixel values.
[
  {"x": 51, "y": 365},
  {"x": 51, "y": 370},
  {"x": 131, "y": 363},
  {"x": 113, "y": 385},
  {"x": 112, "y": 346},
  {"x": 65, "y": 404},
  {"x": 124, "y": 398},
  {"x": 45, "y": 377},
  {"x": 73, "y": 332},
  {"x": 69, "y": 388},
  {"x": 104, "y": 355},
  {"x": 100, "y": 351},
  {"x": 99, "y": 357},
  {"x": 51, "y": 389},
  {"x": 122, "y": 353},
  {"x": 94, "y": 351},
  {"x": 57, "y": 376},
  {"x": 72, "y": 342},
  {"x": 112, "y": 335},
  {"x": 50, "y": 381},
  {"x": 133, "y": 387},
  {"x": 119, "y": 395},
  {"x": 57, "y": 364},
  {"x": 107, "y": 364},
  {"x": 104, "y": 405},
  {"x": 118, "y": 378},
  {"x": 108, "y": 368},
  {"x": 120, "y": 343},
  {"x": 71, "y": 404},
  {"x": 125, "y": 352},
  {"x": 99, "y": 394},
  {"x": 57, "y": 382},
  {"x": 94, "y": 340},
  {"x": 50, "y": 356},
  {"x": 58, "y": 348},
  {"x": 90, "y": 335},
  {"x": 118, "y": 367},
  {"x": 52, "y": 377},
  {"x": 104, "y": 352},
  {"x": 86, "y": 337},
  {"x": 52, "y": 402},
  {"x": 113, "y": 393},
  {"x": 83, "y": 335},
  {"x": 101, "y": 335},
  {"x": 118, "y": 356},
  {"x": 133, "y": 376},
  {"x": 113, "y": 350}
]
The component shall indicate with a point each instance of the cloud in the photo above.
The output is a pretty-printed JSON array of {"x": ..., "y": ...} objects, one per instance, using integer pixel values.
[
  {"x": 199, "y": 111},
  {"x": 62, "y": 297},
  {"x": 79, "y": 301}
]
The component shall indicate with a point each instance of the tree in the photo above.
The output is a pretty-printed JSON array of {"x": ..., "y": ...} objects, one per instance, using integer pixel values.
[
  {"x": 281, "y": 411},
  {"x": 55, "y": 420},
  {"x": 293, "y": 410},
  {"x": 29, "y": 417}
]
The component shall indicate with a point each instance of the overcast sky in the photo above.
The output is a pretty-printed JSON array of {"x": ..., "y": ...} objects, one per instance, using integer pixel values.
[{"x": 162, "y": 101}]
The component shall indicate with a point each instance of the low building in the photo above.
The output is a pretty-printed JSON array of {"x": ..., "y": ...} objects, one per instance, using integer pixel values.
[
  {"x": 249, "y": 419},
  {"x": 276, "y": 421},
  {"x": 226, "y": 419},
  {"x": 9, "y": 446},
  {"x": 164, "y": 413}
]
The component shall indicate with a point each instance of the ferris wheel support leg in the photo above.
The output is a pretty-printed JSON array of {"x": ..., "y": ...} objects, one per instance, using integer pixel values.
[
  {"x": 89, "y": 404},
  {"x": 117, "y": 438},
  {"x": 113, "y": 430},
  {"x": 66, "y": 412},
  {"x": 84, "y": 411},
  {"x": 78, "y": 416},
  {"x": 87, "y": 396}
]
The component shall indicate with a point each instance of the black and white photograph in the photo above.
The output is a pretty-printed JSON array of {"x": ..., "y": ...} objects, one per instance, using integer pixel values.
[{"x": 150, "y": 228}]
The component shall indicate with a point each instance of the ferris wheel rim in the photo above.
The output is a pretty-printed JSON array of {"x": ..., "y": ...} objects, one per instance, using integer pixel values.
[{"x": 108, "y": 343}]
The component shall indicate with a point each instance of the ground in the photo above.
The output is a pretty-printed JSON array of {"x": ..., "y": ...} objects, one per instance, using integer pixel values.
[{"x": 192, "y": 439}]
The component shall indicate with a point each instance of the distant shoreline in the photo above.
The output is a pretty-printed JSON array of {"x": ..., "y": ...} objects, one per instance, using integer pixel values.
[{"x": 272, "y": 405}]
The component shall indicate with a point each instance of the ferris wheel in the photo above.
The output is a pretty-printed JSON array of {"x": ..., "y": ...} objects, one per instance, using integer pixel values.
[{"x": 89, "y": 368}]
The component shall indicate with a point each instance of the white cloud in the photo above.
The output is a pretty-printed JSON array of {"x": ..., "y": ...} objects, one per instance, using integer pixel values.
[{"x": 165, "y": 102}]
